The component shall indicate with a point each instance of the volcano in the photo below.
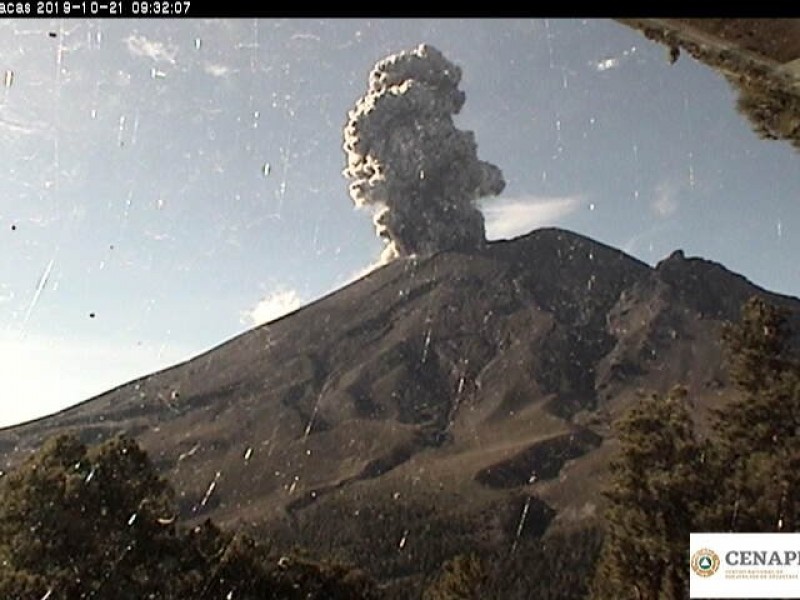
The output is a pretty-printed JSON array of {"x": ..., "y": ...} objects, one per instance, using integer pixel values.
[{"x": 463, "y": 399}]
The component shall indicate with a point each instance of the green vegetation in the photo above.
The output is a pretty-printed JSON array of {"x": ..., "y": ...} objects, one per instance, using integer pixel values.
[
  {"x": 655, "y": 495},
  {"x": 774, "y": 114},
  {"x": 555, "y": 567},
  {"x": 461, "y": 578},
  {"x": 758, "y": 453},
  {"x": 100, "y": 523},
  {"x": 744, "y": 477}
]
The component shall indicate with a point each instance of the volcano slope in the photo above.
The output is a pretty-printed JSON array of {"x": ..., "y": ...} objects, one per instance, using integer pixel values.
[{"x": 461, "y": 401}]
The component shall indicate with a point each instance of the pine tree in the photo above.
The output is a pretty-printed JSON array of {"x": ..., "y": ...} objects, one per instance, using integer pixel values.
[
  {"x": 757, "y": 434},
  {"x": 655, "y": 492},
  {"x": 78, "y": 522}
]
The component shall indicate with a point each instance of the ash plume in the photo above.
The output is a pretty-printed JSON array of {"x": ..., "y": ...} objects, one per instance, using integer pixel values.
[{"x": 407, "y": 159}]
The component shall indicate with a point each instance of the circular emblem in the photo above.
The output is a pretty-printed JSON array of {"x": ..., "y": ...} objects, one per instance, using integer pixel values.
[{"x": 705, "y": 562}]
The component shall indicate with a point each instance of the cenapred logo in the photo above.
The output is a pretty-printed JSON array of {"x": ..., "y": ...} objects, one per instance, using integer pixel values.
[
  {"x": 744, "y": 565},
  {"x": 705, "y": 562}
]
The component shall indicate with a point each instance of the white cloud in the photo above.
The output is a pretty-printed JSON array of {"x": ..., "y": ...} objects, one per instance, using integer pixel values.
[
  {"x": 40, "y": 375},
  {"x": 511, "y": 217},
  {"x": 665, "y": 202},
  {"x": 138, "y": 45},
  {"x": 276, "y": 304},
  {"x": 216, "y": 70}
]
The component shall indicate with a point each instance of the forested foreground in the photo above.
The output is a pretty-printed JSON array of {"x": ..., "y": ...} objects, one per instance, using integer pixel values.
[
  {"x": 100, "y": 522},
  {"x": 744, "y": 476}
]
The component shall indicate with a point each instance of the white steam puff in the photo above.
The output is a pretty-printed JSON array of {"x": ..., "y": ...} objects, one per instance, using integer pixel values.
[{"x": 406, "y": 157}]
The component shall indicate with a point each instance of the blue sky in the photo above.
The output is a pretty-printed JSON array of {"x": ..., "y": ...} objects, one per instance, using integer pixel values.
[{"x": 165, "y": 185}]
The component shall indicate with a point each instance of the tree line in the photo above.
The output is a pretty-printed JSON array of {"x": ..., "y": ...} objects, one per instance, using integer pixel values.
[
  {"x": 743, "y": 476},
  {"x": 100, "y": 522}
]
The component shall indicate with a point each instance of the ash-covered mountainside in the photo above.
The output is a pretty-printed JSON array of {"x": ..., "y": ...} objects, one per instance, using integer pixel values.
[{"x": 465, "y": 387}]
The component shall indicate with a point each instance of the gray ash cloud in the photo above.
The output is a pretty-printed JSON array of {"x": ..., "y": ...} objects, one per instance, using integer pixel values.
[{"x": 407, "y": 159}]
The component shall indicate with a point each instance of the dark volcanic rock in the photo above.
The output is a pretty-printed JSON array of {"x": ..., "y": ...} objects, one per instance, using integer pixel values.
[
  {"x": 450, "y": 389},
  {"x": 543, "y": 460}
]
